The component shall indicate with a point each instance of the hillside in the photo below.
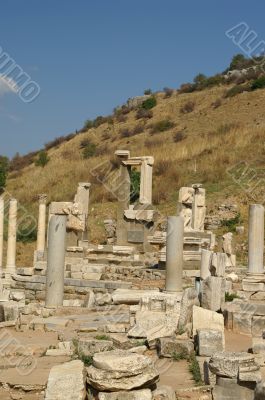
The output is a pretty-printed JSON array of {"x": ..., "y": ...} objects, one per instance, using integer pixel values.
[{"x": 202, "y": 136}]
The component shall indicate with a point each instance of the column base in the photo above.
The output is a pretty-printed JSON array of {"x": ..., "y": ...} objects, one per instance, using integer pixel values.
[{"x": 254, "y": 282}]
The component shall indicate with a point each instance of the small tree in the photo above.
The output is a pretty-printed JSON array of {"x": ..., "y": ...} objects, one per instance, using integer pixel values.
[
  {"x": 149, "y": 103},
  {"x": 43, "y": 159},
  {"x": 148, "y": 91},
  {"x": 4, "y": 163}
]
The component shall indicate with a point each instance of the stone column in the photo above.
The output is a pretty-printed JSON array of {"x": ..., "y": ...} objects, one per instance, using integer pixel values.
[
  {"x": 12, "y": 238},
  {"x": 174, "y": 260},
  {"x": 146, "y": 180},
  {"x": 56, "y": 261},
  {"x": 206, "y": 258},
  {"x": 256, "y": 239},
  {"x": 41, "y": 226},
  {"x": 2, "y": 215}
]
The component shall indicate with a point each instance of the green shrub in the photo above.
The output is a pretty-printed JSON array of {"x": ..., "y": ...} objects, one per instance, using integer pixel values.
[
  {"x": 235, "y": 90},
  {"x": 102, "y": 337},
  {"x": 187, "y": 88},
  {"x": 88, "y": 124},
  {"x": 4, "y": 164},
  {"x": 89, "y": 150},
  {"x": 258, "y": 83},
  {"x": 232, "y": 223},
  {"x": 194, "y": 369},
  {"x": 182, "y": 355},
  {"x": 149, "y": 103},
  {"x": 230, "y": 296},
  {"x": 42, "y": 159},
  {"x": 162, "y": 126},
  {"x": 135, "y": 185},
  {"x": 26, "y": 234},
  {"x": 148, "y": 91}
]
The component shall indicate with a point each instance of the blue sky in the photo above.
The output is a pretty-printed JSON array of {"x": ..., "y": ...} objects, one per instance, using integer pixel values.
[{"x": 89, "y": 56}]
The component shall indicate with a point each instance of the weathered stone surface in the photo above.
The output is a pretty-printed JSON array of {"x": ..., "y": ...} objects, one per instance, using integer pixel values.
[
  {"x": 121, "y": 370},
  {"x": 209, "y": 342},
  {"x": 154, "y": 324},
  {"x": 130, "y": 296},
  {"x": 213, "y": 293},
  {"x": 242, "y": 323},
  {"x": 218, "y": 265},
  {"x": 258, "y": 345},
  {"x": 226, "y": 364},
  {"x": 164, "y": 392},
  {"x": 144, "y": 394},
  {"x": 167, "y": 347},
  {"x": 89, "y": 347},
  {"x": 229, "y": 389},
  {"x": 258, "y": 324},
  {"x": 189, "y": 299},
  {"x": 260, "y": 390},
  {"x": 206, "y": 319},
  {"x": 66, "y": 382}
]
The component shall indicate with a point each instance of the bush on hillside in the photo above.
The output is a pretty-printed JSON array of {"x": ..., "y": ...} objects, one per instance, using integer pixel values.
[
  {"x": 162, "y": 126},
  {"x": 149, "y": 103},
  {"x": 168, "y": 92},
  {"x": 258, "y": 83},
  {"x": 179, "y": 136},
  {"x": 187, "y": 107},
  {"x": 142, "y": 113},
  {"x": 235, "y": 90},
  {"x": 42, "y": 159},
  {"x": 187, "y": 88},
  {"x": 4, "y": 163},
  {"x": 217, "y": 103},
  {"x": 19, "y": 162},
  {"x": 121, "y": 118},
  {"x": 89, "y": 150},
  {"x": 59, "y": 140},
  {"x": 147, "y": 92}
]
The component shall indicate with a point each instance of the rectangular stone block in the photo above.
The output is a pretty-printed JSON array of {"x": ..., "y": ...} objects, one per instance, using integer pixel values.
[
  {"x": 213, "y": 293},
  {"x": 242, "y": 323},
  {"x": 253, "y": 286},
  {"x": 209, "y": 342}
]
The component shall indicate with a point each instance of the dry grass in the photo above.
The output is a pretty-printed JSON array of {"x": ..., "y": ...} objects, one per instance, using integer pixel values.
[{"x": 215, "y": 139}]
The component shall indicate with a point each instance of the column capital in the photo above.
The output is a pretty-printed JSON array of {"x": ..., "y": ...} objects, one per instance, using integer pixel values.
[{"x": 42, "y": 198}]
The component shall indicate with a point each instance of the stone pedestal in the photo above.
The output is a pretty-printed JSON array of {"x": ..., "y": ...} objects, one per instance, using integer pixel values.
[
  {"x": 174, "y": 253},
  {"x": 12, "y": 237},
  {"x": 2, "y": 215},
  {"x": 41, "y": 226},
  {"x": 56, "y": 261},
  {"x": 256, "y": 239},
  {"x": 124, "y": 187}
]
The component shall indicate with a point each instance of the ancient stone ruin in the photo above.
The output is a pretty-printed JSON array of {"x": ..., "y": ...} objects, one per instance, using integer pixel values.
[{"x": 158, "y": 312}]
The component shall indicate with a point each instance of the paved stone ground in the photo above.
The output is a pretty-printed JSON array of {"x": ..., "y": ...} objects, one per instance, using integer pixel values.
[{"x": 175, "y": 374}]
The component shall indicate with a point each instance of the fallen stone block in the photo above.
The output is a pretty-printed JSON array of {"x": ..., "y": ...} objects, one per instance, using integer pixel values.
[
  {"x": 207, "y": 319},
  {"x": 230, "y": 389},
  {"x": 89, "y": 347},
  {"x": 67, "y": 382},
  {"x": 228, "y": 364},
  {"x": 209, "y": 342},
  {"x": 121, "y": 370},
  {"x": 171, "y": 347}
]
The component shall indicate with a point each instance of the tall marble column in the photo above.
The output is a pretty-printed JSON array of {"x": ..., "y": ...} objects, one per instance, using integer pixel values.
[
  {"x": 256, "y": 239},
  {"x": 174, "y": 254},
  {"x": 56, "y": 261},
  {"x": 41, "y": 236},
  {"x": 12, "y": 238},
  {"x": 2, "y": 215}
]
